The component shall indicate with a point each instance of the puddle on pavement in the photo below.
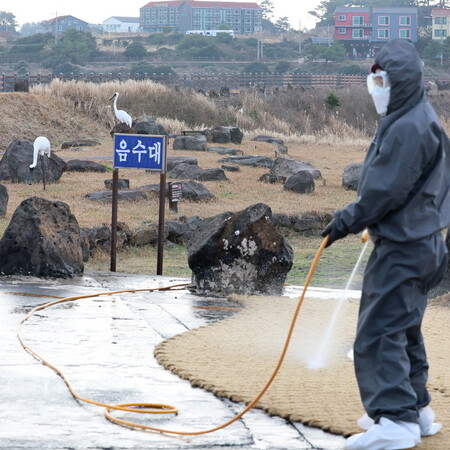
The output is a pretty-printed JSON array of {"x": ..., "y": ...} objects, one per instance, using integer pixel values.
[
  {"x": 25, "y": 309},
  {"x": 25, "y": 294}
]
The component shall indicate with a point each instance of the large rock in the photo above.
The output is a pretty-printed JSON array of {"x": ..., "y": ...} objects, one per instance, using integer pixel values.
[
  {"x": 195, "y": 192},
  {"x": 190, "y": 190},
  {"x": 239, "y": 253},
  {"x": 249, "y": 160},
  {"x": 271, "y": 178},
  {"x": 287, "y": 167},
  {"x": 224, "y": 135},
  {"x": 4, "y": 197},
  {"x": 79, "y": 143},
  {"x": 225, "y": 151},
  {"x": 190, "y": 142},
  {"x": 268, "y": 139},
  {"x": 122, "y": 128},
  {"x": 43, "y": 240},
  {"x": 106, "y": 196},
  {"x": 81, "y": 165},
  {"x": 149, "y": 126},
  {"x": 350, "y": 177},
  {"x": 145, "y": 236},
  {"x": 15, "y": 164},
  {"x": 301, "y": 182},
  {"x": 191, "y": 172},
  {"x": 122, "y": 183},
  {"x": 310, "y": 223},
  {"x": 172, "y": 161}
]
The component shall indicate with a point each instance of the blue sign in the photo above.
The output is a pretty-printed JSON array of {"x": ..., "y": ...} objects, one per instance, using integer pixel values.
[{"x": 140, "y": 151}]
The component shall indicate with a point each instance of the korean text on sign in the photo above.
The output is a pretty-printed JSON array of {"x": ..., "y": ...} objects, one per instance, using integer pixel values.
[{"x": 139, "y": 151}]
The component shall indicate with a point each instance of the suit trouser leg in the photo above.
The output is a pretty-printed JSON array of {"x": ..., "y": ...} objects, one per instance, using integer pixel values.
[{"x": 390, "y": 359}]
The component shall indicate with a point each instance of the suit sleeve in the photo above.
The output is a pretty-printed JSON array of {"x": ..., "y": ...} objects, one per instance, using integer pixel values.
[{"x": 388, "y": 181}]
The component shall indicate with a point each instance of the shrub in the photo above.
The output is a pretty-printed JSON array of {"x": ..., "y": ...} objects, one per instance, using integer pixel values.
[
  {"x": 352, "y": 69},
  {"x": 256, "y": 67},
  {"x": 282, "y": 67},
  {"x": 144, "y": 67},
  {"x": 333, "y": 101},
  {"x": 67, "y": 68},
  {"x": 193, "y": 41},
  {"x": 135, "y": 50},
  {"x": 21, "y": 68},
  {"x": 208, "y": 51}
]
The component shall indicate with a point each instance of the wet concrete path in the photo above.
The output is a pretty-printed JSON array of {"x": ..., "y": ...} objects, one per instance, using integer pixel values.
[{"x": 105, "y": 347}]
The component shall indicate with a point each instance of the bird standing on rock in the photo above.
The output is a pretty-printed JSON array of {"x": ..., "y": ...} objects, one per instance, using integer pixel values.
[{"x": 121, "y": 115}]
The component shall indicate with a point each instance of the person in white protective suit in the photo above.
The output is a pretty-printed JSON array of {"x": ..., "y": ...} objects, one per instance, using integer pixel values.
[{"x": 404, "y": 202}]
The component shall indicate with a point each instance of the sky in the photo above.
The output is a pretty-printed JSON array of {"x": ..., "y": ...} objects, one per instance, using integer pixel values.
[{"x": 95, "y": 11}]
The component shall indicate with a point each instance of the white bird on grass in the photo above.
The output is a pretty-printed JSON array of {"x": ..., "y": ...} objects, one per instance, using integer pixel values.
[
  {"x": 41, "y": 146},
  {"x": 121, "y": 115}
]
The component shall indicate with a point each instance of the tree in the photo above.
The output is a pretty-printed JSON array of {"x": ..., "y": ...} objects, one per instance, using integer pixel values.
[
  {"x": 145, "y": 67},
  {"x": 282, "y": 67},
  {"x": 283, "y": 25},
  {"x": 74, "y": 46},
  {"x": 432, "y": 50},
  {"x": 35, "y": 43},
  {"x": 333, "y": 52},
  {"x": 8, "y": 21},
  {"x": 333, "y": 101},
  {"x": 446, "y": 48},
  {"x": 256, "y": 67},
  {"x": 267, "y": 9},
  {"x": 193, "y": 41},
  {"x": 21, "y": 68},
  {"x": 135, "y": 50}
]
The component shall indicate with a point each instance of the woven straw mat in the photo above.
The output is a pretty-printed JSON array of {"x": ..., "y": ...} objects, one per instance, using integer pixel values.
[{"x": 235, "y": 357}]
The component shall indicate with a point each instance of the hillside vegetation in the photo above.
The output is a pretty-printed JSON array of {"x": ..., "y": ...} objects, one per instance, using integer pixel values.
[
  {"x": 65, "y": 111},
  {"x": 328, "y": 132}
]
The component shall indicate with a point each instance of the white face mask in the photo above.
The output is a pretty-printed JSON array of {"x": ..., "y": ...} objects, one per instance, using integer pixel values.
[{"x": 380, "y": 89}]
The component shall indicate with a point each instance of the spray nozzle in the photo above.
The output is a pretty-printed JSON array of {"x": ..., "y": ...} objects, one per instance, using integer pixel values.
[{"x": 365, "y": 236}]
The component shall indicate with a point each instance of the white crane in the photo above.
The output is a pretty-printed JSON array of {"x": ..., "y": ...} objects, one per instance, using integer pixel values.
[
  {"x": 121, "y": 115},
  {"x": 41, "y": 146}
]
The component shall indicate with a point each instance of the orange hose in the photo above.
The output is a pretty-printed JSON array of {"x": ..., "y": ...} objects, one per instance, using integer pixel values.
[{"x": 156, "y": 408}]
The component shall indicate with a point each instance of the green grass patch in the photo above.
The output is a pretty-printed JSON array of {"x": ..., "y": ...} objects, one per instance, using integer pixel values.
[
  {"x": 333, "y": 270},
  {"x": 335, "y": 265}
]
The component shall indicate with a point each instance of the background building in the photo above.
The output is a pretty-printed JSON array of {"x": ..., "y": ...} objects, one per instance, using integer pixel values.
[
  {"x": 440, "y": 24},
  {"x": 119, "y": 24},
  {"x": 63, "y": 23},
  {"x": 184, "y": 15},
  {"x": 393, "y": 23},
  {"x": 375, "y": 25},
  {"x": 352, "y": 24}
]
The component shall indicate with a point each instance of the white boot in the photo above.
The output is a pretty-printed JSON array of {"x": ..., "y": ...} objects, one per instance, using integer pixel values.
[
  {"x": 426, "y": 422},
  {"x": 386, "y": 435}
]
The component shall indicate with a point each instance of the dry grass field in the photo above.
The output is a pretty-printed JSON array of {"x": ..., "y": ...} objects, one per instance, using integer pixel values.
[{"x": 65, "y": 111}]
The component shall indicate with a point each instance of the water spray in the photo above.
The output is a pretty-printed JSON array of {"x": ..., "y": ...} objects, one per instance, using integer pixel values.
[{"x": 319, "y": 361}]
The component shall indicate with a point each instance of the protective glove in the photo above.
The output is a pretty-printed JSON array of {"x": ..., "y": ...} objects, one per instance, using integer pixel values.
[{"x": 333, "y": 233}]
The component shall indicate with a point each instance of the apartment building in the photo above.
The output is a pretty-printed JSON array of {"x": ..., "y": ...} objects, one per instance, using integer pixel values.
[
  {"x": 352, "y": 24},
  {"x": 440, "y": 20},
  {"x": 184, "y": 15},
  {"x": 375, "y": 25},
  {"x": 393, "y": 23}
]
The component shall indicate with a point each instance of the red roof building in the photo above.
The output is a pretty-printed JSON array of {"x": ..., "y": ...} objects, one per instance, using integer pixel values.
[{"x": 186, "y": 15}]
